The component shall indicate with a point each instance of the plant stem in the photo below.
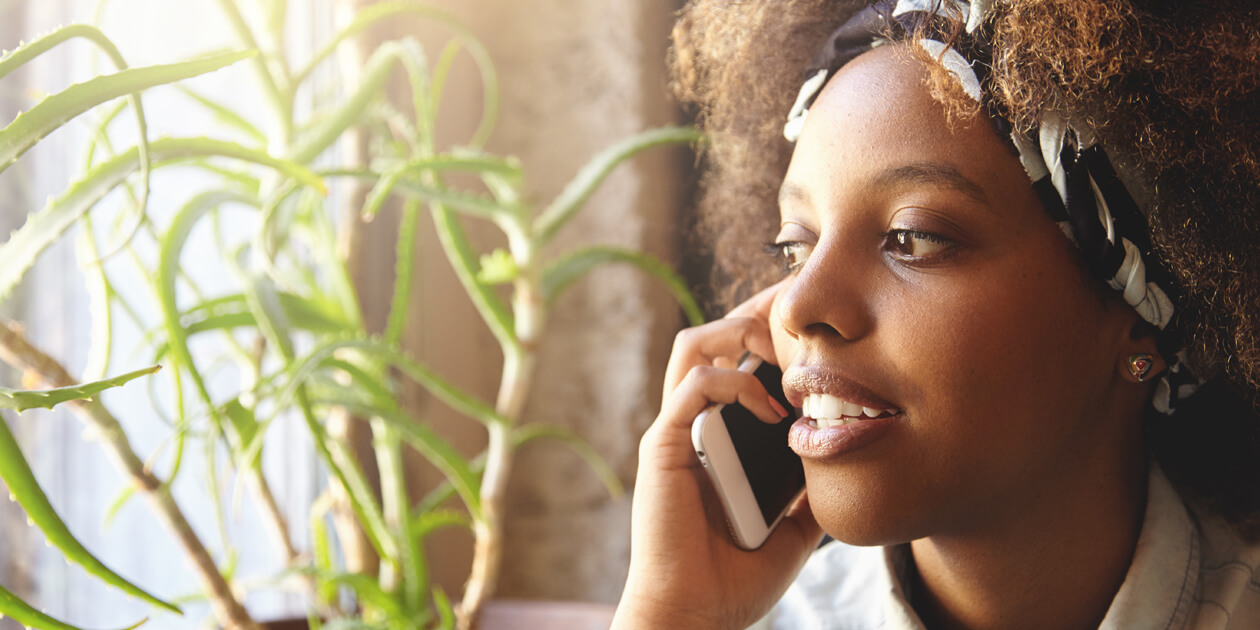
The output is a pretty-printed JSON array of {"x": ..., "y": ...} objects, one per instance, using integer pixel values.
[
  {"x": 271, "y": 86},
  {"x": 19, "y": 353},
  {"x": 488, "y": 550},
  {"x": 278, "y": 525},
  {"x": 274, "y": 518},
  {"x": 395, "y": 503},
  {"x": 341, "y": 425},
  {"x": 529, "y": 307}
]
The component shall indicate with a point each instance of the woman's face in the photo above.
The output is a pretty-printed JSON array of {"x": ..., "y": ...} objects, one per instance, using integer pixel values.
[{"x": 927, "y": 284}]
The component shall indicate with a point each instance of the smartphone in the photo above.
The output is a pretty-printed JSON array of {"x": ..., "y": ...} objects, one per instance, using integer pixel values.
[{"x": 756, "y": 475}]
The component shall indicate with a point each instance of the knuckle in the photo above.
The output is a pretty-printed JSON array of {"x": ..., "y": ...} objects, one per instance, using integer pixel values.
[
  {"x": 686, "y": 338},
  {"x": 747, "y": 329},
  {"x": 647, "y": 443},
  {"x": 699, "y": 374},
  {"x": 698, "y": 380}
]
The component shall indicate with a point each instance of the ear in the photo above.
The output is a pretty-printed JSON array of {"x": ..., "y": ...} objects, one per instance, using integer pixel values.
[{"x": 1140, "y": 361}]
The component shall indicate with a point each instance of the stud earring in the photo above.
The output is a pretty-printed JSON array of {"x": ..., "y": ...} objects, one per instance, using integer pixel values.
[{"x": 1140, "y": 366}]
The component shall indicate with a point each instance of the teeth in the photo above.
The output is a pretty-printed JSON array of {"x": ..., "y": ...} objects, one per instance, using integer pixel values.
[
  {"x": 831, "y": 407},
  {"x": 826, "y": 423},
  {"x": 829, "y": 411}
]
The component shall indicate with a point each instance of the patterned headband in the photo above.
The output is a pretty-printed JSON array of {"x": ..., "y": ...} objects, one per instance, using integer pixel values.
[{"x": 1068, "y": 169}]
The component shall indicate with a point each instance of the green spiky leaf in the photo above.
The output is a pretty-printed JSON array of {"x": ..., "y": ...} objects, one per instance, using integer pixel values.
[
  {"x": 244, "y": 427},
  {"x": 58, "y": 109},
  {"x": 386, "y": 10},
  {"x": 45, "y": 226},
  {"x": 446, "y": 612},
  {"x": 21, "y": 400},
  {"x": 25, "y": 489},
  {"x": 427, "y": 522},
  {"x": 374, "y": 349},
  {"x": 497, "y": 267},
  {"x": 23, "y": 54},
  {"x": 580, "y": 446},
  {"x": 567, "y": 269},
  {"x": 597, "y": 170},
  {"x": 226, "y": 115},
  {"x": 13, "y": 607}
]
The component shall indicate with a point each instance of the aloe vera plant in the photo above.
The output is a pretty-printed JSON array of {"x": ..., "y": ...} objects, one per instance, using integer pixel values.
[{"x": 293, "y": 294}]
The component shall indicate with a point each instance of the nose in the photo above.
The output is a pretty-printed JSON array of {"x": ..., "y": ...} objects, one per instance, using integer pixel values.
[{"x": 826, "y": 300}]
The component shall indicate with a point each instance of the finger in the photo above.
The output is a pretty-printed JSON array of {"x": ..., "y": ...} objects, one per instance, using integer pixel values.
[
  {"x": 706, "y": 385},
  {"x": 759, "y": 305},
  {"x": 758, "y": 308},
  {"x": 667, "y": 443},
  {"x": 802, "y": 517},
  {"x": 800, "y": 508},
  {"x": 761, "y": 344},
  {"x": 725, "y": 338}
]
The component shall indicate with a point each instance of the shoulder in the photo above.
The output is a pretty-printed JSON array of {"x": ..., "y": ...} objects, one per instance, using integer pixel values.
[
  {"x": 1228, "y": 593},
  {"x": 841, "y": 587},
  {"x": 1191, "y": 570}
]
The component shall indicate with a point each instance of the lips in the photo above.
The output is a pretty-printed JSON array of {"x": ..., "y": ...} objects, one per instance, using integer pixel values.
[
  {"x": 800, "y": 381},
  {"x": 839, "y": 415}
]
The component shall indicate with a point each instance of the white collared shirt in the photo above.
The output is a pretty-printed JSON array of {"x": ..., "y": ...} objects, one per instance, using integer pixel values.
[{"x": 1189, "y": 572}]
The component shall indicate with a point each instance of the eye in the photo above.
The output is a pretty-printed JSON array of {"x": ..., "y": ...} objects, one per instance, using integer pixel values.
[
  {"x": 791, "y": 254},
  {"x": 917, "y": 245}
]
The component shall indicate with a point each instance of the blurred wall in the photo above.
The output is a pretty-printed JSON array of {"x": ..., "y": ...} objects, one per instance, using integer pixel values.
[{"x": 575, "y": 77}]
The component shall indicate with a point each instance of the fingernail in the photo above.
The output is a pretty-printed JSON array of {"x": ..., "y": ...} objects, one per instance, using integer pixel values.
[{"x": 777, "y": 407}]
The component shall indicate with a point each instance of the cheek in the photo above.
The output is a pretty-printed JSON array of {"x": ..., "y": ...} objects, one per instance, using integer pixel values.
[{"x": 1008, "y": 354}]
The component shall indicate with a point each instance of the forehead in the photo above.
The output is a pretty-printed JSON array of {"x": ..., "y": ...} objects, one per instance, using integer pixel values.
[{"x": 877, "y": 115}]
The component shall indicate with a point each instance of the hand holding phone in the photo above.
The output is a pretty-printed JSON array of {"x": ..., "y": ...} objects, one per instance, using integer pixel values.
[
  {"x": 682, "y": 566},
  {"x": 756, "y": 475}
]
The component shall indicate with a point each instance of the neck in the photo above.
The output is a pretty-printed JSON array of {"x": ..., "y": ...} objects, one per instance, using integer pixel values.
[{"x": 1056, "y": 564}]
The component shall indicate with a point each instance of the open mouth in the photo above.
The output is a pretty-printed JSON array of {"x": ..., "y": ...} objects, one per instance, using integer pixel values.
[{"x": 825, "y": 411}]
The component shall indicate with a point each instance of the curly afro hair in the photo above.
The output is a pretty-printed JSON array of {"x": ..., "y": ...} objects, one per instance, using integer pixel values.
[{"x": 1171, "y": 88}]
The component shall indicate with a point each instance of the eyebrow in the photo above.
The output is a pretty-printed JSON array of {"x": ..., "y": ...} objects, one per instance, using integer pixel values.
[
  {"x": 793, "y": 193},
  {"x": 931, "y": 173},
  {"x": 919, "y": 173}
]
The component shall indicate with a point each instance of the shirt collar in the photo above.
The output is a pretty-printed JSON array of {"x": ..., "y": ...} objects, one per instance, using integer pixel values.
[{"x": 1158, "y": 589}]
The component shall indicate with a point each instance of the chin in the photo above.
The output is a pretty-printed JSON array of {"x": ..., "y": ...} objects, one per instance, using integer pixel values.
[{"x": 862, "y": 514}]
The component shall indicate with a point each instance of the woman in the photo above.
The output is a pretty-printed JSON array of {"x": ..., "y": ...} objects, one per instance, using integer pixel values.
[{"x": 957, "y": 247}]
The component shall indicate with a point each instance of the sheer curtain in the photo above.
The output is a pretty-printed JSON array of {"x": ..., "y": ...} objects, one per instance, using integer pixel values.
[{"x": 54, "y": 308}]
